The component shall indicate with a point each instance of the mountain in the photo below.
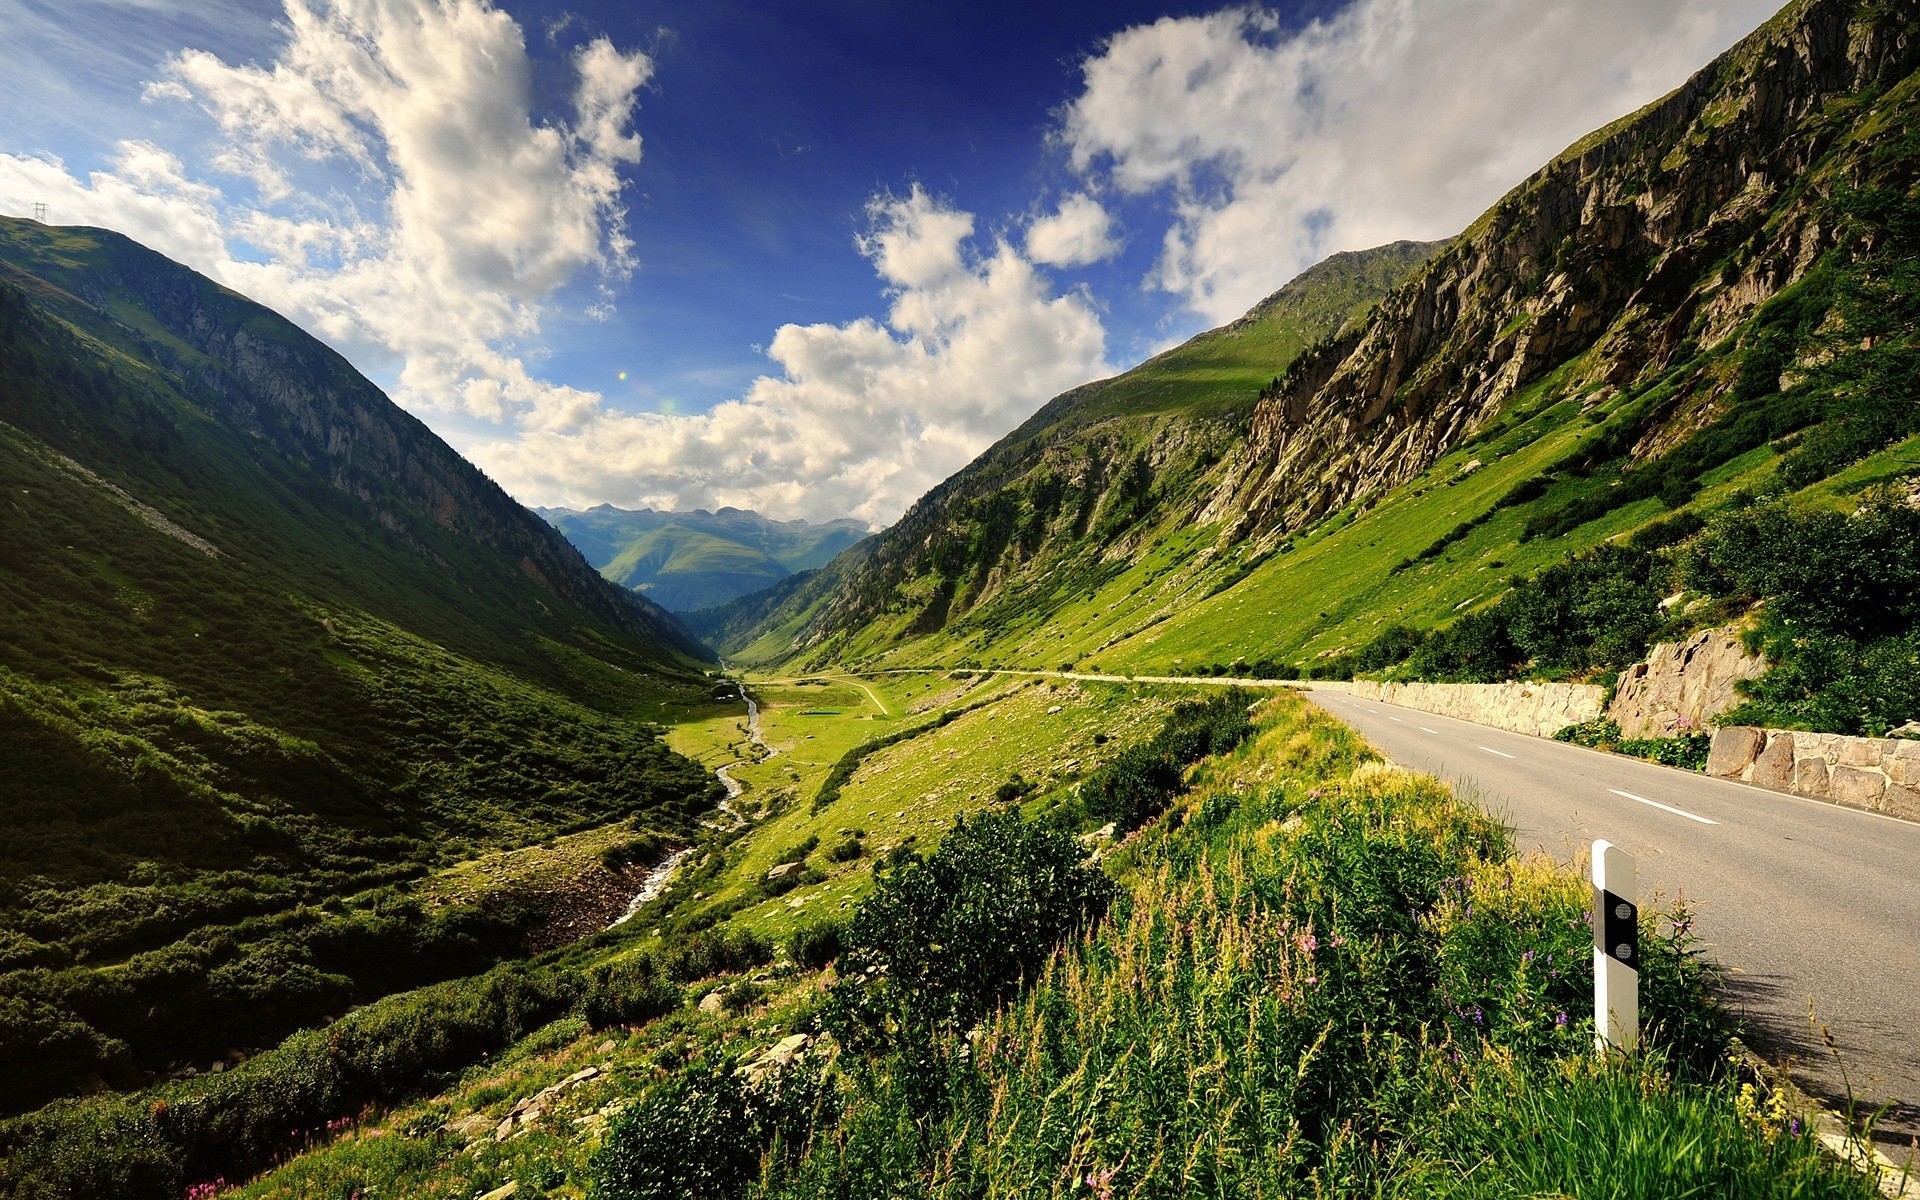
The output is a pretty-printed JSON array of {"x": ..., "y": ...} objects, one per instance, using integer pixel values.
[
  {"x": 700, "y": 559},
  {"x": 1047, "y": 512},
  {"x": 267, "y": 644},
  {"x": 1706, "y": 301}
]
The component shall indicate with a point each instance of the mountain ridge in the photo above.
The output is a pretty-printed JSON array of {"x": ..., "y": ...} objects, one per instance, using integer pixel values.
[
  {"x": 1641, "y": 285},
  {"x": 271, "y": 657},
  {"x": 699, "y": 559}
]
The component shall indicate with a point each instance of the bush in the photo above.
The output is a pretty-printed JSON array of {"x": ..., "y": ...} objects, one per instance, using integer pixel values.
[
  {"x": 1137, "y": 785},
  {"x": 715, "y": 952},
  {"x": 1841, "y": 611},
  {"x": 1688, "y": 751},
  {"x": 628, "y": 992},
  {"x": 692, "y": 1138},
  {"x": 707, "y": 1135},
  {"x": 814, "y": 946},
  {"x": 944, "y": 938}
]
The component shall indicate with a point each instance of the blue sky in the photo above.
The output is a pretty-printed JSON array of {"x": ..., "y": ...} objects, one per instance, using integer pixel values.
[{"x": 808, "y": 257}]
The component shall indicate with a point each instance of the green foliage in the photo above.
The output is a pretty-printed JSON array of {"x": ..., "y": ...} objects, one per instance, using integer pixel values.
[
  {"x": 1841, "y": 618},
  {"x": 1688, "y": 751},
  {"x": 715, "y": 952},
  {"x": 705, "y": 1134},
  {"x": 1139, "y": 783},
  {"x": 1299, "y": 987},
  {"x": 944, "y": 937},
  {"x": 156, "y": 1143},
  {"x": 814, "y": 946},
  {"x": 1618, "y": 1132},
  {"x": 692, "y": 1138},
  {"x": 628, "y": 991}
]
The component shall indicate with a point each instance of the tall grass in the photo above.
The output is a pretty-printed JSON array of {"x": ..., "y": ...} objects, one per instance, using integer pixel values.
[{"x": 1327, "y": 976}]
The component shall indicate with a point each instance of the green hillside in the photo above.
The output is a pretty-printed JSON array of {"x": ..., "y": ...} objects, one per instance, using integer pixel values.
[
  {"x": 270, "y": 653},
  {"x": 696, "y": 560},
  {"x": 1050, "y": 509},
  {"x": 1636, "y": 345}
]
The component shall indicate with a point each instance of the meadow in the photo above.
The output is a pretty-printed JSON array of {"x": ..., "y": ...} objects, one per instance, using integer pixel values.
[{"x": 1314, "y": 973}]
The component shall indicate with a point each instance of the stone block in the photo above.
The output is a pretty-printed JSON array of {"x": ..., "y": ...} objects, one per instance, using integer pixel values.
[
  {"x": 1852, "y": 785},
  {"x": 1901, "y": 801},
  {"x": 1733, "y": 750},
  {"x": 1810, "y": 776},
  {"x": 1864, "y": 752},
  {"x": 1774, "y": 768}
]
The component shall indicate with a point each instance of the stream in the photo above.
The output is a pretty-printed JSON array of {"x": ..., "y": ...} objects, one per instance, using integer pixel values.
[{"x": 661, "y": 877}]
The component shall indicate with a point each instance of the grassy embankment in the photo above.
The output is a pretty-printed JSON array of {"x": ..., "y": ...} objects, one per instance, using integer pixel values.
[
  {"x": 394, "y": 1047},
  {"x": 1318, "y": 975}
]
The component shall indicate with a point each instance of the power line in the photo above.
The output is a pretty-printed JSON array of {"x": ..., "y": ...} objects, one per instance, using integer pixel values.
[{"x": 40, "y": 212}]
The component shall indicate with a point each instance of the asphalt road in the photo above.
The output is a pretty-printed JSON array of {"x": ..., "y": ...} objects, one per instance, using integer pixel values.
[{"x": 1808, "y": 905}]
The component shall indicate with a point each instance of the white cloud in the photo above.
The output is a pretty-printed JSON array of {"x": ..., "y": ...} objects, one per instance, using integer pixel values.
[
  {"x": 863, "y": 417},
  {"x": 1079, "y": 233},
  {"x": 468, "y": 214},
  {"x": 1393, "y": 119}
]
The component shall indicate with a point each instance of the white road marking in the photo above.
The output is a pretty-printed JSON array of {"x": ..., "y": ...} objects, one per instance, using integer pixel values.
[
  {"x": 1396, "y": 720},
  {"x": 1424, "y": 729},
  {"x": 1501, "y": 753},
  {"x": 1678, "y": 812}
]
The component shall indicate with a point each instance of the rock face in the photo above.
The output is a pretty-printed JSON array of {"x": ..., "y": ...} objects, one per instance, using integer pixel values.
[
  {"x": 1682, "y": 686},
  {"x": 1882, "y": 774},
  {"x": 1609, "y": 245},
  {"x": 1540, "y": 709}
]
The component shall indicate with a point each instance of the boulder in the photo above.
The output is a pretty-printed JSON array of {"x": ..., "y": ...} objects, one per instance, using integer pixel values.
[
  {"x": 1850, "y": 785},
  {"x": 1810, "y": 777},
  {"x": 711, "y": 1002},
  {"x": 783, "y": 870},
  {"x": 1774, "y": 767},
  {"x": 1683, "y": 685},
  {"x": 1901, "y": 801},
  {"x": 1733, "y": 749}
]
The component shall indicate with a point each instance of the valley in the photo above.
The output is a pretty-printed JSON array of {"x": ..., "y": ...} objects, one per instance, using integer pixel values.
[{"x": 366, "y": 833}]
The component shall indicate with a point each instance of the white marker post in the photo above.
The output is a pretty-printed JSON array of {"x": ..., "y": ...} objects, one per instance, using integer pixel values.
[{"x": 1616, "y": 951}]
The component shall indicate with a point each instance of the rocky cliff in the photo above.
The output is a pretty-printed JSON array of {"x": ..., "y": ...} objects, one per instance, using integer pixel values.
[{"x": 1621, "y": 244}]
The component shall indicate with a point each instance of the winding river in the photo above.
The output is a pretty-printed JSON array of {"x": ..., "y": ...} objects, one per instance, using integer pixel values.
[{"x": 661, "y": 877}]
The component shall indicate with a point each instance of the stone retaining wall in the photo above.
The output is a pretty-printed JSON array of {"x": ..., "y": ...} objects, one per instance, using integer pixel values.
[
  {"x": 1881, "y": 774},
  {"x": 1541, "y": 709}
]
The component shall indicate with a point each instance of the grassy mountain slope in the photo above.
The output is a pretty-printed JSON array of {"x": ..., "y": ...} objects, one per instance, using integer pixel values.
[
  {"x": 1038, "y": 516},
  {"x": 1706, "y": 300},
  {"x": 267, "y": 644},
  {"x": 696, "y": 560}
]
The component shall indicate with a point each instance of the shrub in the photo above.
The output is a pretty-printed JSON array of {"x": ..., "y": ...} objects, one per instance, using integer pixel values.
[
  {"x": 691, "y": 1138},
  {"x": 814, "y": 946},
  {"x": 628, "y": 992},
  {"x": 715, "y": 952},
  {"x": 943, "y": 938}
]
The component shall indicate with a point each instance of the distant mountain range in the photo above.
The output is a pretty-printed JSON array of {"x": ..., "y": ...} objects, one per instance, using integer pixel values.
[{"x": 685, "y": 561}]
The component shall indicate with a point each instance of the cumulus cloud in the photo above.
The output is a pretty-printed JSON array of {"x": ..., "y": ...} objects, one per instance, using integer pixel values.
[
  {"x": 1078, "y": 233},
  {"x": 862, "y": 417},
  {"x": 469, "y": 212},
  {"x": 1391, "y": 119}
]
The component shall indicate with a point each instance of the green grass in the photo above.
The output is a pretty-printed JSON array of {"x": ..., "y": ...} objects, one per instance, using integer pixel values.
[
  {"x": 251, "y": 694},
  {"x": 1324, "y": 976}
]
